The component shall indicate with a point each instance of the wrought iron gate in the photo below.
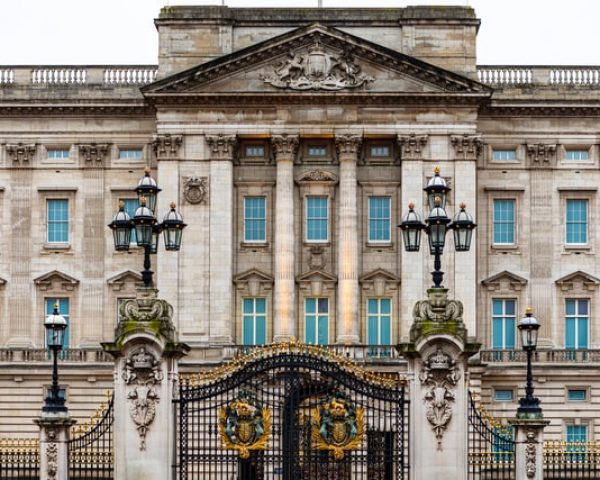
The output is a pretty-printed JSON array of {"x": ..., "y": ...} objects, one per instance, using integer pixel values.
[
  {"x": 292, "y": 412},
  {"x": 491, "y": 448}
]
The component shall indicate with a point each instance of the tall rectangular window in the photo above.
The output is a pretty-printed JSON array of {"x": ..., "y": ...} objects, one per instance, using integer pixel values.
[
  {"x": 317, "y": 219},
  {"x": 504, "y": 221},
  {"x": 577, "y": 221},
  {"x": 577, "y": 316},
  {"x": 316, "y": 321},
  {"x": 255, "y": 219},
  {"x": 503, "y": 323},
  {"x": 577, "y": 155},
  {"x": 379, "y": 321},
  {"x": 57, "y": 220},
  {"x": 254, "y": 321},
  {"x": 380, "y": 219},
  {"x": 576, "y": 442},
  {"x": 63, "y": 309},
  {"x": 58, "y": 153},
  {"x": 131, "y": 205},
  {"x": 504, "y": 154}
]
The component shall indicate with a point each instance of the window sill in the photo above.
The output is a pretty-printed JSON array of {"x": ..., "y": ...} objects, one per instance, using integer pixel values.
[
  {"x": 57, "y": 247},
  {"x": 312, "y": 243},
  {"x": 248, "y": 246},
  {"x": 505, "y": 249},
  {"x": 577, "y": 249},
  {"x": 380, "y": 246}
]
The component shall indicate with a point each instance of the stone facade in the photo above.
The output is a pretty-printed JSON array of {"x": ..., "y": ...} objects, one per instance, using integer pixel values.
[{"x": 288, "y": 106}]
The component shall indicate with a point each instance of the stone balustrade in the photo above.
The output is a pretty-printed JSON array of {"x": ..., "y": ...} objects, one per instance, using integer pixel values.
[
  {"x": 552, "y": 75},
  {"x": 541, "y": 356},
  {"x": 71, "y": 355},
  {"x": 51, "y": 75}
]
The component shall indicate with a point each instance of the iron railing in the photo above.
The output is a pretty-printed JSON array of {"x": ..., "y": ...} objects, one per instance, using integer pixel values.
[
  {"x": 91, "y": 448},
  {"x": 491, "y": 447},
  {"x": 571, "y": 460},
  {"x": 19, "y": 459}
]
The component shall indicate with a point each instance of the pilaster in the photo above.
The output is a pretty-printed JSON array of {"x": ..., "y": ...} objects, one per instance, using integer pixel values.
[
  {"x": 222, "y": 149},
  {"x": 285, "y": 321},
  {"x": 54, "y": 450},
  {"x": 529, "y": 448},
  {"x": 348, "y": 323}
]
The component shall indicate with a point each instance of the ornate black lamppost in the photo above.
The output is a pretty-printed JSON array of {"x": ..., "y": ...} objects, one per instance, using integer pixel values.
[
  {"x": 529, "y": 406},
  {"x": 436, "y": 225},
  {"x": 55, "y": 325},
  {"x": 147, "y": 228}
]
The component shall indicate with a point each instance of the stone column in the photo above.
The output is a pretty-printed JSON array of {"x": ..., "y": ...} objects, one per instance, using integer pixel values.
[
  {"x": 221, "y": 326},
  {"x": 146, "y": 351},
  {"x": 284, "y": 319},
  {"x": 54, "y": 451},
  {"x": 438, "y": 352},
  {"x": 348, "y": 319},
  {"x": 529, "y": 448}
]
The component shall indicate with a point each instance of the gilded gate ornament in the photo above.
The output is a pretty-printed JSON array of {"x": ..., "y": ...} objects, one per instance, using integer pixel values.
[
  {"x": 244, "y": 425},
  {"x": 337, "y": 426}
]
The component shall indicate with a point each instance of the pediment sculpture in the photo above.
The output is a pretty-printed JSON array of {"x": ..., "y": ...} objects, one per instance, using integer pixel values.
[{"x": 317, "y": 70}]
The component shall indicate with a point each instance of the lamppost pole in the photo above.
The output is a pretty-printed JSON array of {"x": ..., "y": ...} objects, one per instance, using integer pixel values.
[
  {"x": 55, "y": 325},
  {"x": 529, "y": 406},
  {"x": 147, "y": 273}
]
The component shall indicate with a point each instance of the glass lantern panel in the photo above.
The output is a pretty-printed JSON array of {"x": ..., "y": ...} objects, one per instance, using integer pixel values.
[
  {"x": 172, "y": 238},
  {"x": 143, "y": 234}
]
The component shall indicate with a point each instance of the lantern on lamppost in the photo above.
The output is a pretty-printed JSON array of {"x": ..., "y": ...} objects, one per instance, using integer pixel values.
[
  {"x": 55, "y": 325},
  {"x": 529, "y": 406}
]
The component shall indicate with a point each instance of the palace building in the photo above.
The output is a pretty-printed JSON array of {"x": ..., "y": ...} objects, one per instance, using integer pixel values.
[{"x": 292, "y": 142}]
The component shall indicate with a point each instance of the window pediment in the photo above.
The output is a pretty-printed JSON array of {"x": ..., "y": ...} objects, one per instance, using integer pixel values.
[
  {"x": 322, "y": 176},
  {"x": 578, "y": 281},
  {"x": 56, "y": 280},
  {"x": 253, "y": 282},
  {"x": 120, "y": 280},
  {"x": 379, "y": 281},
  {"x": 504, "y": 281},
  {"x": 316, "y": 281}
]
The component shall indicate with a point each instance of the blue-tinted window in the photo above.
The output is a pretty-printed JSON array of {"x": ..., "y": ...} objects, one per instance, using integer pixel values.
[
  {"x": 317, "y": 219},
  {"x": 577, "y": 155},
  {"x": 255, "y": 219},
  {"x": 58, "y": 153},
  {"x": 576, "y": 395},
  {"x": 131, "y": 205},
  {"x": 131, "y": 153},
  {"x": 254, "y": 311},
  {"x": 576, "y": 323},
  {"x": 317, "y": 150},
  {"x": 503, "y": 395},
  {"x": 577, "y": 221},
  {"x": 576, "y": 442},
  {"x": 379, "y": 321},
  {"x": 63, "y": 309},
  {"x": 255, "y": 151},
  {"x": 380, "y": 219},
  {"x": 316, "y": 321},
  {"x": 503, "y": 323},
  {"x": 380, "y": 151},
  {"x": 509, "y": 154},
  {"x": 58, "y": 220},
  {"x": 504, "y": 221}
]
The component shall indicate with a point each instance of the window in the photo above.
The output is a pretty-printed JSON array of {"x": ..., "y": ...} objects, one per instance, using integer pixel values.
[
  {"x": 317, "y": 219},
  {"x": 63, "y": 309},
  {"x": 576, "y": 395},
  {"x": 58, "y": 153},
  {"x": 576, "y": 323},
  {"x": 503, "y": 443},
  {"x": 577, "y": 155},
  {"x": 58, "y": 220},
  {"x": 317, "y": 151},
  {"x": 577, "y": 218},
  {"x": 131, "y": 153},
  {"x": 379, "y": 321},
  {"x": 380, "y": 151},
  {"x": 380, "y": 219},
  {"x": 508, "y": 154},
  {"x": 576, "y": 438},
  {"x": 254, "y": 321},
  {"x": 255, "y": 151},
  {"x": 255, "y": 219},
  {"x": 503, "y": 323},
  {"x": 504, "y": 221},
  {"x": 503, "y": 395},
  {"x": 131, "y": 205},
  {"x": 316, "y": 321}
]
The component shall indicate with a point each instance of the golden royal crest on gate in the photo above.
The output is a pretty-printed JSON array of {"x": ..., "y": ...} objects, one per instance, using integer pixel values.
[
  {"x": 244, "y": 425},
  {"x": 337, "y": 426}
]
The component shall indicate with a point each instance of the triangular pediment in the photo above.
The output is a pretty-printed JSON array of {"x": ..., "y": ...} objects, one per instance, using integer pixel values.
[
  {"x": 66, "y": 282},
  {"x": 582, "y": 280},
  {"x": 117, "y": 282},
  {"x": 379, "y": 274},
  {"x": 315, "y": 60},
  {"x": 253, "y": 275},
  {"x": 506, "y": 280},
  {"x": 316, "y": 276}
]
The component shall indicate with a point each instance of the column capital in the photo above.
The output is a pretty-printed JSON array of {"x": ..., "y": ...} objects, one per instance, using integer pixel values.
[
  {"x": 167, "y": 145},
  {"x": 285, "y": 146},
  {"x": 467, "y": 147},
  {"x": 222, "y": 146},
  {"x": 411, "y": 146},
  {"x": 348, "y": 146}
]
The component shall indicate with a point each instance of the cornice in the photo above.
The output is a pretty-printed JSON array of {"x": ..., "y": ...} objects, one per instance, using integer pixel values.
[{"x": 13, "y": 109}]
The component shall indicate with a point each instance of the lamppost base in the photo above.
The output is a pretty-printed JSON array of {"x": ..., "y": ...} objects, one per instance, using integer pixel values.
[
  {"x": 529, "y": 408},
  {"x": 54, "y": 409}
]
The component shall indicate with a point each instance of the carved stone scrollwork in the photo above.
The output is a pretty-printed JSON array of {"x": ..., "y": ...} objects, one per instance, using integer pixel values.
[
  {"x": 467, "y": 147},
  {"x": 142, "y": 375},
  {"x": 411, "y": 146},
  {"x": 21, "y": 154},
  {"x": 167, "y": 145},
  {"x": 195, "y": 190},
  {"x": 147, "y": 309},
  {"x": 222, "y": 147},
  {"x": 285, "y": 146},
  {"x": 530, "y": 453},
  {"x": 440, "y": 374},
  {"x": 316, "y": 259},
  {"x": 317, "y": 176},
  {"x": 316, "y": 69},
  {"x": 348, "y": 146},
  {"x": 437, "y": 308},
  {"x": 93, "y": 154},
  {"x": 541, "y": 155},
  {"x": 51, "y": 453}
]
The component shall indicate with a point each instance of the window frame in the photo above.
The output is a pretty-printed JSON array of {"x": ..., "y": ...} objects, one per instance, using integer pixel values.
[
  {"x": 502, "y": 389},
  {"x": 306, "y": 218},
  {"x": 49, "y": 150},
  {"x": 576, "y": 316},
  {"x": 495, "y": 150},
  {"x": 503, "y": 316},
  {"x": 379, "y": 316},
  {"x": 245, "y": 240},
  {"x": 574, "y": 149},
  {"x": 514, "y": 222},
  {"x": 254, "y": 315},
  {"x": 389, "y": 220},
  {"x": 128, "y": 158},
  {"x": 587, "y": 222},
  {"x": 317, "y": 315},
  {"x": 569, "y": 389},
  {"x": 49, "y": 308},
  {"x": 133, "y": 238},
  {"x": 49, "y": 222}
]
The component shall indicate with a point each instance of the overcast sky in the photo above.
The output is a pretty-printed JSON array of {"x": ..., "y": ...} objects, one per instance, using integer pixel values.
[{"x": 122, "y": 31}]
